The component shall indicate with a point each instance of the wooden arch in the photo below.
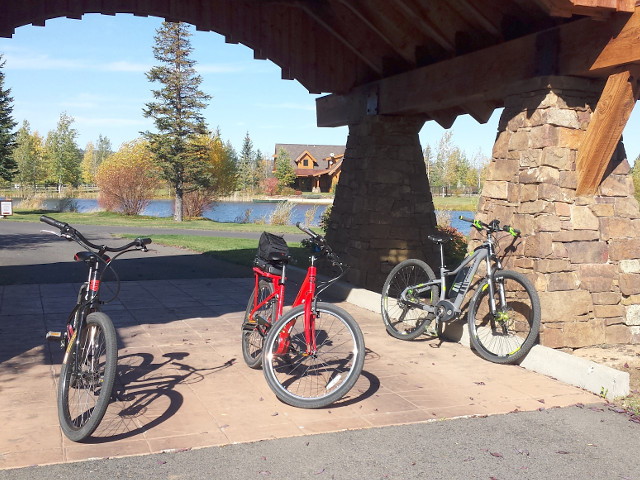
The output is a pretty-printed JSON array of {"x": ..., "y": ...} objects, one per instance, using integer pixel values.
[{"x": 436, "y": 59}]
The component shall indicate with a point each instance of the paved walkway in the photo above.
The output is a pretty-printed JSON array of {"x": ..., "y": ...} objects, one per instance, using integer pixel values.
[{"x": 182, "y": 382}]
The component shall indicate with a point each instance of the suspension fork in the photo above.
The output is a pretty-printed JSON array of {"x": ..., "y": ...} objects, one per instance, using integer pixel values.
[{"x": 491, "y": 270}]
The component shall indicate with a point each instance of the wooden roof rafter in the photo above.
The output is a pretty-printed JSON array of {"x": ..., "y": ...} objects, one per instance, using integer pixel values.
[
  {"x": 325, "y": 18},
  {"x": 474, "y": 15},
  {"x": 422, "y": 23},
  {"x": 364, "y": 14}
]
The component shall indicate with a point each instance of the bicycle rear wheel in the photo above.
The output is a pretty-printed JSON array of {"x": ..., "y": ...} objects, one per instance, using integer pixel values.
[
  {"x": 509, "y": 334},
  {"x": 254, "y": 332},
  {"x": 321, "y": 378},
  {"x": 402, "y": 320},
  {"x": 86, "y": 378}
]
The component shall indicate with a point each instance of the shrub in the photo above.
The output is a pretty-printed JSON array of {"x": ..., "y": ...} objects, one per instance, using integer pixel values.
[
  {"x": 282, "y": 214},
  {"x": 309, "y": 215},
  {"x": 455, "y": 250},
  {"x": 324, "y": 218},
  {"x": 32, "y": 202},
  {"x": 288, "y": 191},
  {"x": 243, "y": 218},
  {"x": 269, "y": 186},
  {"x": 127, "y": 179},
  {"x": 195, "y": 202}
]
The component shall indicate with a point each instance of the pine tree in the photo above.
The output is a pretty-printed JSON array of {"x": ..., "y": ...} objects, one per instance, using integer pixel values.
[
  {"x": 285, "y": 172},
  {"x": 247, "y": 174},
  {"x": 176, "y": 111},
  {"x": 7, "y": 136}
]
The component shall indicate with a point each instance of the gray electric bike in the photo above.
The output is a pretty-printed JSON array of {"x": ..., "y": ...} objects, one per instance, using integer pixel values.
[{"x": 504, "y": 312}]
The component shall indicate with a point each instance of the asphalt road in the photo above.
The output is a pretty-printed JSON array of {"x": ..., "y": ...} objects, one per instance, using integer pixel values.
[
  {"x": 28, "y": 256},
  {"x": 571, "y": 443}
]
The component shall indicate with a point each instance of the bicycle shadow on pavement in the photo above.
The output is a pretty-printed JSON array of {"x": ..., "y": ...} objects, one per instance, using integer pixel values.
[{"x": 145, "y": 393}]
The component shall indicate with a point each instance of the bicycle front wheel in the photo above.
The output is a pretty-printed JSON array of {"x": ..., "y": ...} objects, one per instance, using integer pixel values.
[
  {"x": 86, "y": 378},
  {"x": 508, "y": 334},
  {"x": 313, "y": 379},
  {"x": 254, "y": 331},
  {"x": 401, "y": 319}
]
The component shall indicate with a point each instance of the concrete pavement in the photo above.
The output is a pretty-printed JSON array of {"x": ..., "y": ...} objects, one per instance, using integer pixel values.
[{"x": 182, "y": 383}]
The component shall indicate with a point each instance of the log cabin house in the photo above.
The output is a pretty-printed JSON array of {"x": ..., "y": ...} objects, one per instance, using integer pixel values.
[{"x": 317, "y": 167}]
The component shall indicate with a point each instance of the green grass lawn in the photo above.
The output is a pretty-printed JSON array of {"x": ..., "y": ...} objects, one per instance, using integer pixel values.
[
  {"x": 456, "y": 203},
  {"x": 241, "y": 251},
  {"x": 116, "y": 219}
]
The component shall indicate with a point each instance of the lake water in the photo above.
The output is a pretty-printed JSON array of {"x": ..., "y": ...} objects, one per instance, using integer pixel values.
[{"x": 237, "y": 211}]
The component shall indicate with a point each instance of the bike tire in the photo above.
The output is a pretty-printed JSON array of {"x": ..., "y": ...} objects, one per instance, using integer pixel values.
[
  {"x": 253, "y": 334},
  {"x": 403, "y": 321},
  {"x": 509, "y": 336},
  {"x": 314, "y": 381},
  {"x": 83, "y": 400}
]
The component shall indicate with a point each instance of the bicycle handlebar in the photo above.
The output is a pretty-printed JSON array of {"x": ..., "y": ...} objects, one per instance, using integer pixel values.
[
  {"x": 491, "y": 227},
  {"x": 71, "y": 233},
  {"x": 321, "y": 242}
]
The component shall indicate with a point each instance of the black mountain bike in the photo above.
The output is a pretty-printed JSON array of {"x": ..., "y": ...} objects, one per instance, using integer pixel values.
[
  {"x": 504, "y": 312},
  {"x": 89, "y": 340}
]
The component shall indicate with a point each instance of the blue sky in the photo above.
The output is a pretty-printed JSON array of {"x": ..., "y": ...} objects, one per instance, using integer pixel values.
[{"x": 94, "y": 70}]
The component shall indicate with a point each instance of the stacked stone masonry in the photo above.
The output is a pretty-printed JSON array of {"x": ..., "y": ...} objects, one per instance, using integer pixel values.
[
  {"x": 581, "y": 252},
  {"x": 383, "y": 209}
]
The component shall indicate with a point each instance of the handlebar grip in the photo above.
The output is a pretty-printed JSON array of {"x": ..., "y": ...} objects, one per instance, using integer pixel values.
[
  {"x": 53, "y": 222},
  {"x": 470, "y": 220},
  {"x": 513, "y": 231},
  {"x": 306, "y": 230},
  {"x": 144, "y": 241}
]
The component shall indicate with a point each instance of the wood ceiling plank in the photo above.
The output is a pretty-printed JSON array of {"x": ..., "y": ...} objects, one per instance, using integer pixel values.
[
  {"x": 326, "y": 19},
  {"x": 422, "y": 22}
]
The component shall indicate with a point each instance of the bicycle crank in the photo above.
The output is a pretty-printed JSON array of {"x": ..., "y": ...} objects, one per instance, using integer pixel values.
[{"x": 446, "y": 311}]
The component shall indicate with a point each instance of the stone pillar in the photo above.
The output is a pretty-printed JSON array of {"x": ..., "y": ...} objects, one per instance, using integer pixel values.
[
  {"x": 580, "y": 252},
  {"x": 383, "y": 210}
]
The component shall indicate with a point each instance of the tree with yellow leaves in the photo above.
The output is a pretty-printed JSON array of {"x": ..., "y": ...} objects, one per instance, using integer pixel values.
[{"x": 128, "y": 179}]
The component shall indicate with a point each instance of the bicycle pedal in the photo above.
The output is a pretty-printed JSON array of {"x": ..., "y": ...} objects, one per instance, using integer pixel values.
[{"x": 54, "y": 336}]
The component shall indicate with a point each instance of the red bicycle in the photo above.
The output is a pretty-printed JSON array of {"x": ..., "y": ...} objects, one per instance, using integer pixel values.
[{"x": 313, "y": 354}]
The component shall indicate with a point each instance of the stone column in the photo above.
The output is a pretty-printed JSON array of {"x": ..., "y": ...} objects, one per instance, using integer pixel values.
[
  {"x": 383, "y": 210},
  {"x": 581, "y": 252}
]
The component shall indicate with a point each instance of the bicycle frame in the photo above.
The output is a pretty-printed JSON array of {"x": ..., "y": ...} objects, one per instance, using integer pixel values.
[
  {"x": 444, "y": 309},
  {"x": 88, "y": 300},
  {"x": 306, "y": 296}
]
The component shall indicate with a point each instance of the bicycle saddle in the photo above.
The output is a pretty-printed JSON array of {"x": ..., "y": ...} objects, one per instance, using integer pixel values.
[{"x": 440, "y": 238}]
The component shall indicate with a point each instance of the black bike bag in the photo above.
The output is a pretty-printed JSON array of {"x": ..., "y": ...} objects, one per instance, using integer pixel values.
[{"x": 272, "y": 248}]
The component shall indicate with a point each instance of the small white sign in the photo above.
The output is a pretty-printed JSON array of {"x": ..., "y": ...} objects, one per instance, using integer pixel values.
[{"x": 6, "y": 208}]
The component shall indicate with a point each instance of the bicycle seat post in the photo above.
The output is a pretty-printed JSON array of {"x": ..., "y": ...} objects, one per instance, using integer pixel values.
[{"x": 442, "y": 265}]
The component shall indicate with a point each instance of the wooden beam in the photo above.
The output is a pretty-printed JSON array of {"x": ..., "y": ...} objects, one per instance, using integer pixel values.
[
  {"x": 605, "y": 129},
  {"x": 583, "y": 48}
]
